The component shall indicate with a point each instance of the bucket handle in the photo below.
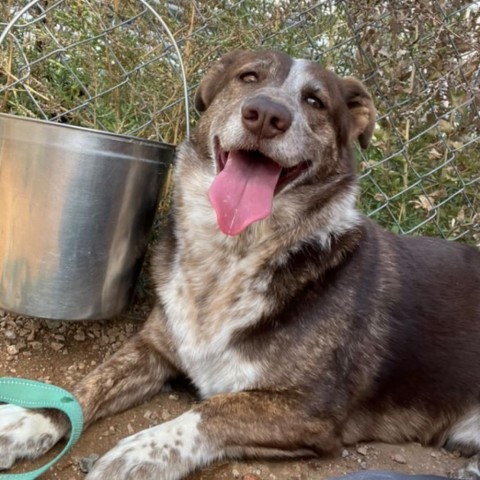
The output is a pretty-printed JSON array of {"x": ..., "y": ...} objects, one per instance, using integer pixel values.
[{"x": 164, "y": 26}]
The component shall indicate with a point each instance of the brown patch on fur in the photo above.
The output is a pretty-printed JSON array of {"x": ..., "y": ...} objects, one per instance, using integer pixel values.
[
  {"x": 233, "y": 65},
  {"x": 276, "y": 422},
  {"x": 14, "y": 426},
  {"x": 362, "y": 111},
  {"x": 132, "y": 375},
  {"x": 115, "y": 468},
  {"x": 397, "y": 425}
]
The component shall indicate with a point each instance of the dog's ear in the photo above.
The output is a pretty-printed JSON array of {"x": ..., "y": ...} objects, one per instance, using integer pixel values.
[
  {"x": 215, "y": 80},
  {"x": 362, "y": 110}
]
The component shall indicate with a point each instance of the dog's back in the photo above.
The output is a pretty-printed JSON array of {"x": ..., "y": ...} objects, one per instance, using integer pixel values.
[{"x": 427, "y": 385}]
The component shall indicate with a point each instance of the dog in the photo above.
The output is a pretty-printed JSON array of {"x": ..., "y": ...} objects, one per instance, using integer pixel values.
[{"x": 303, "y": 325}]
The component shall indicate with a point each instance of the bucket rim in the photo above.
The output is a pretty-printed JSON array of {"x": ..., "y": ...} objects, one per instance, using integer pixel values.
[{"x": 92, "y": 131}]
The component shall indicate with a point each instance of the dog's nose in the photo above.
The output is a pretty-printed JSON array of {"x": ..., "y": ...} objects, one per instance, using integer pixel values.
[{"x": 265, "y": 118}]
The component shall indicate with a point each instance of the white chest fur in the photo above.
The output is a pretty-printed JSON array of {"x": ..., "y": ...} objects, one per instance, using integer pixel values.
[
  {"x": 202, "y": 320},
  {"x": 211, "y": 293}
]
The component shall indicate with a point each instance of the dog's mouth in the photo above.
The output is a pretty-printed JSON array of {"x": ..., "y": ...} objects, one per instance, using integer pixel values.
[
  {"x": 246, "y": 182},
  {"x": 287, "y": 175}
]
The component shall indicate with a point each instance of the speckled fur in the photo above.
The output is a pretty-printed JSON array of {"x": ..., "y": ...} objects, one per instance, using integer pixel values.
[{"x": 313, "y": 328}]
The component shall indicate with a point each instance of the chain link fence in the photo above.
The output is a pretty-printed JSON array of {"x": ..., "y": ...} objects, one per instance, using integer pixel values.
[{"x": 108, "y": 64}]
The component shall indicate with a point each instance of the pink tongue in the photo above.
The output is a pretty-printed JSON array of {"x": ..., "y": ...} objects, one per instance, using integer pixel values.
[{"x": 242, "y": 192}]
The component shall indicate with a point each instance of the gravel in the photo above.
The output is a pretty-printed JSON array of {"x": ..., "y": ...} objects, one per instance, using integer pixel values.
[{"x": 22, "y": 337}]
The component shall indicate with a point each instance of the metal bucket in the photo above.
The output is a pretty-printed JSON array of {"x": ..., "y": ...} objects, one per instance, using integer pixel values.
[{"x": 76, "y": 210}]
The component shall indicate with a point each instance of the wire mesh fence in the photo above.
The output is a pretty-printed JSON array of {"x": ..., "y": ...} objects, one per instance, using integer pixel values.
[{"x": 108, "y": 64}]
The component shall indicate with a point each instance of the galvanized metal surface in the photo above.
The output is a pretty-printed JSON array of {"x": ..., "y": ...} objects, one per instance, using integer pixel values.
[{"x": 76, "y": 209}]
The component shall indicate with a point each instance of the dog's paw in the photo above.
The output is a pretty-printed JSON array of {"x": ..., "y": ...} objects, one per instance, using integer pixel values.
[
  {"x": 166, "y": 452},
  {"x": 25, "y": 434},
  {"x": 471, "y": 469}
]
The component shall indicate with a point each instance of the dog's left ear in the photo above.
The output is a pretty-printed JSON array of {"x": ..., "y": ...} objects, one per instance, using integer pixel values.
[
  {"x": 362, "y": 110},
  {"x": 215, "y": 80}
]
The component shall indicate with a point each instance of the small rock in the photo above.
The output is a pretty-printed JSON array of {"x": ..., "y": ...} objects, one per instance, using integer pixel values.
[
  {"x": 86, "y": 463},
  {"x": 97, "y": 333},
  {"x": 399, "y": 458},
  {"x": 23, "y": 332},
  {"x": 235, "y": 473},
  {"x": 113, "y": 332},
  {"x": 130, "y": 429},
  {"x": 345, "y": 453},
  {"x": 10, "y": 334},
  {"x": 53, "y": 324},
  {"x": 12, "y": 350},
  {"x": 166, "y": 415},
  {"x": 363, "y": 465},
  {"x": 80, "y": 336},
  {"x": 56, "y": 346},
  {"x": 31, "y": 336},
  {"x": 434, "y": 454},
  {"x": 19, "y": 322},
  {"x": 362, "y": 451}
]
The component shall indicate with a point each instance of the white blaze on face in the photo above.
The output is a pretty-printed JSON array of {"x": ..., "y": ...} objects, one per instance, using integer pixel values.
[
  {"x": 298, "y": 77},
  {"x": 242, "y": 193}
]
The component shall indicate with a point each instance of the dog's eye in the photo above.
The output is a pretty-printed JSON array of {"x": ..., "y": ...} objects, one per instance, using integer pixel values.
[
  {"x": 249, "y": 77},
  {"x": 314, "y": 102}
]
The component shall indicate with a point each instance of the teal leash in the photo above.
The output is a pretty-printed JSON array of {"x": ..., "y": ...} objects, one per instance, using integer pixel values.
[{"x": 32, "y": 394}]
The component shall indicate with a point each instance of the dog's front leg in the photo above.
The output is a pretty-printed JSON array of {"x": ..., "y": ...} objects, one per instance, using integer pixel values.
[
  {"x": 226, "y": 426},
  {"x": 132, "y": 375}
]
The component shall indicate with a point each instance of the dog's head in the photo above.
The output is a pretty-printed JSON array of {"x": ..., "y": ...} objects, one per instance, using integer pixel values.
[{"x": 272, "y": 124}]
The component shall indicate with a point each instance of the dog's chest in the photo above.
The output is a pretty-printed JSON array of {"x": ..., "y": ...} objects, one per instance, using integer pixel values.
[{"x": 207, "y": 300}]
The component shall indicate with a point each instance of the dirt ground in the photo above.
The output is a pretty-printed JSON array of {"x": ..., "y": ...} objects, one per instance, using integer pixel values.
[{"x": 63, "y": 352}]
